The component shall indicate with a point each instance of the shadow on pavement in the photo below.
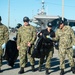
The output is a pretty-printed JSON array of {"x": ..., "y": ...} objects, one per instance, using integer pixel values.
[{"x": 54, "y": 65}]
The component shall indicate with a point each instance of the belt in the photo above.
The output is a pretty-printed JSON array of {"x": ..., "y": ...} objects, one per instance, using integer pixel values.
[{"x": 46, "y": 44}]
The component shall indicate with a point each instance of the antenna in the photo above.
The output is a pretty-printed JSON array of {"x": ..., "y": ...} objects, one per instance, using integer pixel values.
[
  {"x": 32, "y": 13},
  {"x": 43, "y": 9},
  {"x": 43, "y": 2}
]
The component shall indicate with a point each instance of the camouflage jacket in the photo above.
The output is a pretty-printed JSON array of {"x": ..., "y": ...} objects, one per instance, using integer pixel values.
[
  {"x": 26, "y": 34},
  {"x": 4, "y": 36},
  {"x": 66, "y": 37}
]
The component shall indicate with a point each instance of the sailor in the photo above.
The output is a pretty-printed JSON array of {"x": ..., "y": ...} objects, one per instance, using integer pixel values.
[
  {"x": 3, "y": 39},
  {"x": 47, "y": 48},
  {"x": 25, "y": 38},
  {"x": 65, "y": 36}
]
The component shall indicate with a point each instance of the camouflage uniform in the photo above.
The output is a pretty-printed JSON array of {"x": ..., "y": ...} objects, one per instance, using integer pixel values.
[
  {"x": 25, "y": 34},
  {"x": 3, "y": 39},
  {"x": 66, "y": 41},
  {"x": 49, "y": 54}
]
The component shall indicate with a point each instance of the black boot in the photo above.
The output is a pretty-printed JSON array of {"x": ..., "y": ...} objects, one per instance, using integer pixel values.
[
  {"x": 39, "y": 69},
  {"x": 62, "y": 72},
  {"x": 33, "y": 69},
  {"x": 21, "y": 70},
  {"x": 46, "y": 71},
  {"x": 1, "y": 71},
  {"x": 73, "y": 70}
]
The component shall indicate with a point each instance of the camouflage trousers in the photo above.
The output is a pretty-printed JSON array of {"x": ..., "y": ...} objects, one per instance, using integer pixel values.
[
  {"x": 1, "y": 52},
  {"x": 48, "y": 54},
  {"x": 23, "y": 57},
  {"x": 62, "y": 54},
  {"x": 0, "y": 60}
]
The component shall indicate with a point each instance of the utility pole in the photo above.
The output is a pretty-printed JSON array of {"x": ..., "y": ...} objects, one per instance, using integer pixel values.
[{"x": 62, "y": 9}]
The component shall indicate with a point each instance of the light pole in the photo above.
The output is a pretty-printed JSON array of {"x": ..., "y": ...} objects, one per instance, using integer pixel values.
[
  {"x": 8, "y": 13},
  {"x": 62, "y": 9}
]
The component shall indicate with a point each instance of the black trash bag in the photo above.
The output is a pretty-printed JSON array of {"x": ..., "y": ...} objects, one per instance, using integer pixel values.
[
  {"x": 37, "y": 47},
  {"x": 56, "y": 45},
  {"x": 11, "y": 52},
  {"x": 29, "y": 50}
]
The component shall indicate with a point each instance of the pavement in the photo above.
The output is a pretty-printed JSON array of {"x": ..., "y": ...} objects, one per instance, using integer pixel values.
[{"x": 54, "y": 70}]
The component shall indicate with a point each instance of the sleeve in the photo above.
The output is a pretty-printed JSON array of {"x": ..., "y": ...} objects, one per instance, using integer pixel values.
[
  {"x": 72, "y": 36},
  {"x": 56, "y": 38},
  {"x": 39, "y": 34},
  {"x": 6, "y": 34},
  {"x": 18, "y": 38},
  {"x": 53, "y": 34},
  {"x": 34, "y": 35}
]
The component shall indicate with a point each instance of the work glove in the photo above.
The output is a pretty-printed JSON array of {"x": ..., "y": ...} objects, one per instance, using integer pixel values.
[
  {"x": 49, "y": 37},
  {"x": 3, "y": 45}
]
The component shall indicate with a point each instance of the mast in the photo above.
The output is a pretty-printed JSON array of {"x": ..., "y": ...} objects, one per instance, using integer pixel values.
[{"x": 42, "y": 11}]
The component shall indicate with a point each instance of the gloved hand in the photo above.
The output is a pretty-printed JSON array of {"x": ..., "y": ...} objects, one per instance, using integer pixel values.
[
  {"x": 3, "y": 45},
  {"x": 56, "y": 43},
  {"x": 49, "y": 37},
  {"x": 73, "y": 47}
]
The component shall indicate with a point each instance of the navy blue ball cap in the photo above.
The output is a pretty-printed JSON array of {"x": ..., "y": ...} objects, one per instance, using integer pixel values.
[
  {"x": 49, "y": 24},
  {"x": 61, "y": 22},
  {"x": 26, "y": 19}
]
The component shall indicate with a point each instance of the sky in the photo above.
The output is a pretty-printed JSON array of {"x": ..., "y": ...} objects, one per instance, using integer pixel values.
[{"x": 22, "y": 8}]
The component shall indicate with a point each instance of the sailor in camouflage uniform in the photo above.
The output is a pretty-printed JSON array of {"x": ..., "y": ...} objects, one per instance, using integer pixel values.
[
  {"x": 25, "y": 38},
  {"x": 3, "y": 39},
  {"x": 66, "y": 38}
]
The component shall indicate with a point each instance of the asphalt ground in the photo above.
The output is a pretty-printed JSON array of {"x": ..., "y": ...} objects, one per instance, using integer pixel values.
[{"x": 54, "y": 70}]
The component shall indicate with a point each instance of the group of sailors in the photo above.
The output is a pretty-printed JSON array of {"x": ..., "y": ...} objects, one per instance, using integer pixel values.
[{"x": 27, "y": 45}]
